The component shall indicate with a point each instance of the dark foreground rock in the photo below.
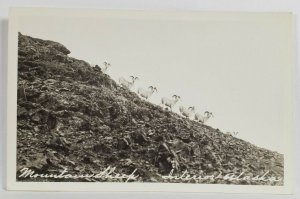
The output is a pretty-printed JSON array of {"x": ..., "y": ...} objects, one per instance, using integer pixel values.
[{"x": 71, "y": 115}]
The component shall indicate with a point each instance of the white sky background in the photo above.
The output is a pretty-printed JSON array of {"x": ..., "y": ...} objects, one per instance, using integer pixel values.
[{"x": 230, "y": 66}]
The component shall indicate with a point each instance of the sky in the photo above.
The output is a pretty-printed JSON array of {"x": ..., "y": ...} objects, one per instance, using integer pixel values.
[{"x": 231, "y": 65}]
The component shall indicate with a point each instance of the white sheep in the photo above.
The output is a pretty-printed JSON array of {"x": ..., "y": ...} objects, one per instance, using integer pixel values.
[
  {"x": 187, "y": 112},
  {"x": 232, "y": 134},
  {"x": 170, "y": 102},
  {"x": 127, "y": 84},
  {"x": 146, "y": 93},
  {"x": 106, "y": 66},
  {"x": 203, "y": 118}
]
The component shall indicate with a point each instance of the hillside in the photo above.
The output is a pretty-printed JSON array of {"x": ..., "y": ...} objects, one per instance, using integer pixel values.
[{"x": 71, "y": 115}]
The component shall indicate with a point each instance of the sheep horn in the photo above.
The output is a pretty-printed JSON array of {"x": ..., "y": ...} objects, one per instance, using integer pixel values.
[{"x": 191, "y": 107}]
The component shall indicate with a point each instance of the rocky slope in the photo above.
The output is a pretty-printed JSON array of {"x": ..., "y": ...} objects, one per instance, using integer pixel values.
[{"x": 73, "y": 115}]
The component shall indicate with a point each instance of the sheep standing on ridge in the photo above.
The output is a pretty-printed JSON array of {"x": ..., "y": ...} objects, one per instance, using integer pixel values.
[
  {"x": 187, "y": 112},
  {"x": 127, "y": 84},
  {"x": 203, "y": 118},
  {"x": 232, "y": 134},
  {"x": 146, "y": 93},
  {"x": 170, "y": 102},
  {"x": 106, "y": 66}
]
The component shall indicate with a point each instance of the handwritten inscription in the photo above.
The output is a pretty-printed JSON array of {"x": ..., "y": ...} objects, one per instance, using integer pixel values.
[
  {"x": 185, "y": 176},
  {"x": 110, "y": 173}
]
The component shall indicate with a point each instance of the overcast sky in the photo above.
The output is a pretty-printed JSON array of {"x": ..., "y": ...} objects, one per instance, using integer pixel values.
[{"x": 231, "y": 65}]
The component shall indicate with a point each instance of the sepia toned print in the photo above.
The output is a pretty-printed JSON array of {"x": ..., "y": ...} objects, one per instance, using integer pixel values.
[
  {"x": 105, "y": 100},
  {"x": 73, "y": 115}
]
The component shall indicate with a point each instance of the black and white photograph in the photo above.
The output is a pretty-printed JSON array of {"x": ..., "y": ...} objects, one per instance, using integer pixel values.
[{"x": 151, "y": 97}]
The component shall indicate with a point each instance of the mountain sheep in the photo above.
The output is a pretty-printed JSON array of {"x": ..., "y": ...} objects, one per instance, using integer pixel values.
[
  {"x": 127, "y": 84},
  {"x": 146, "y": 93},
  {"x": 232, "y": 134},
  {"x": 187, "y": 112},
  {"x": 170, "y": 102},
  {"x": 106, "y": 66},
  {"x": 203, "y": 118}
]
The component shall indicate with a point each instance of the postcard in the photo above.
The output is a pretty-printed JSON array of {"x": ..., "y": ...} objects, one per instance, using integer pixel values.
[{"x": 128, "y": 100}]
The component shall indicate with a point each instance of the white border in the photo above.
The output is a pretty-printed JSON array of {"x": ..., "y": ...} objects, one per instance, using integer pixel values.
[{"x": 15, "y": 13}]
